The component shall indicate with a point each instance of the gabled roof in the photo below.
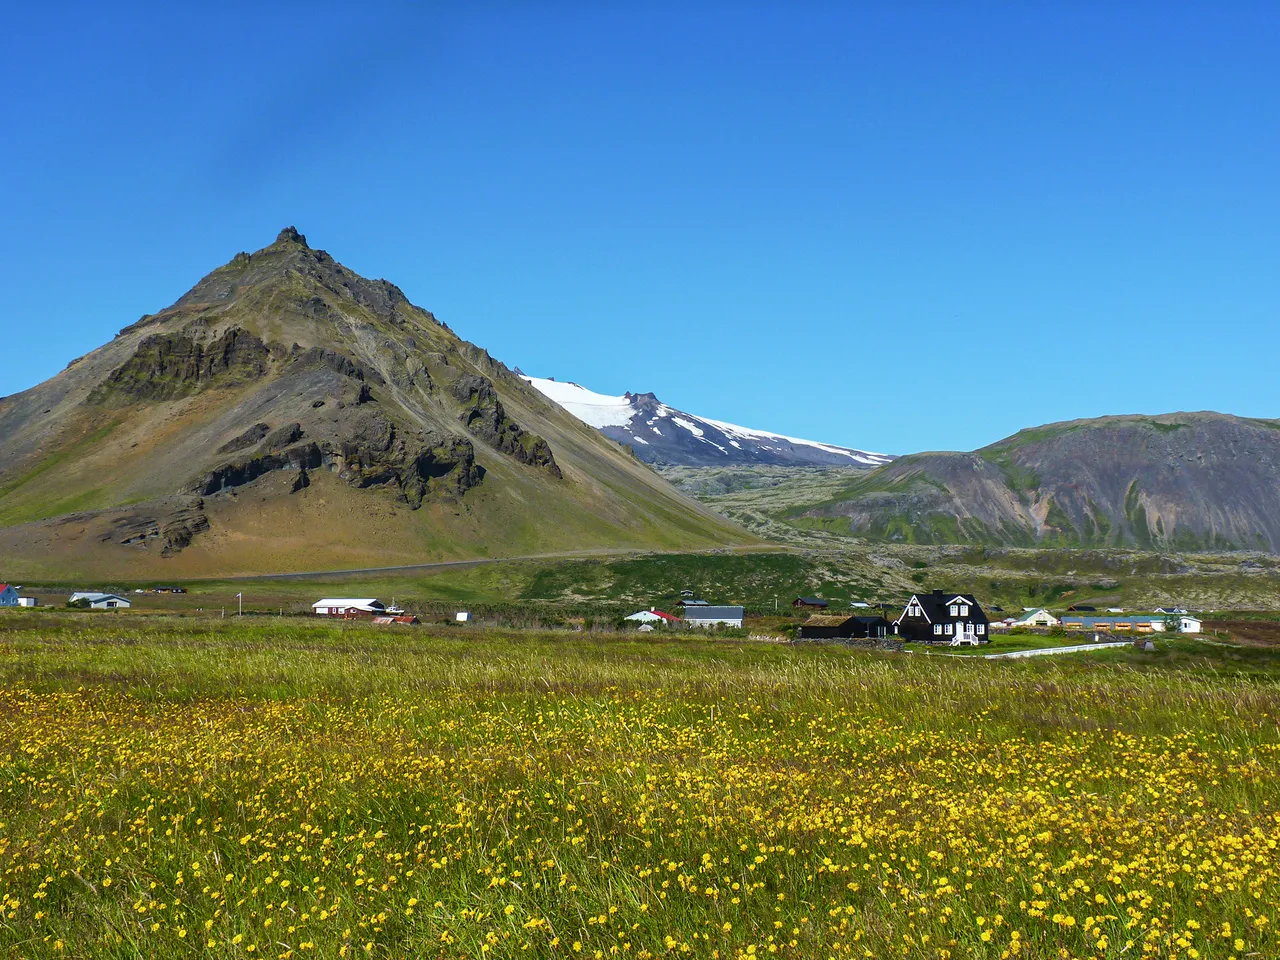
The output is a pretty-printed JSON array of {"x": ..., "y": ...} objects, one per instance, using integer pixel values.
[
  {"x": 825, "y": 620},
  {"x": 709, "y": 612},
  {"x": 934, "y": 605},
  {"x": 694, "y": 603},
  {"x": 839, "y": 620},
  {"x": 3, "y": 587},
  {"x": 810, "y": 601},
  {"x": 95, "y": 597},
  {"x": 1035, "y": 613},
  {"x": 651, "y": 615}
]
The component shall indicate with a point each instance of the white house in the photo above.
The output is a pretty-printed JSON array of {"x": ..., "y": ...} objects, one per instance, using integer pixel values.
[
  {"x": 1188, "y": 624},
  {"x": 463, "y": 616},
  {"x": 709, "y": 616},
  {"x": 28, "y": 602},
  {"x": 653, "y": 616},
  {"x": 1037, "y": 618},
  {"x": 8, "y": 596},
  {"x": 344, "y": 606},
  {"x": 101, "y": 601}
]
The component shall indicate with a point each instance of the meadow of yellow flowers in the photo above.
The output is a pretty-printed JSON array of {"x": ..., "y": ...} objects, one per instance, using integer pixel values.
[{"x": 185, "y": 790}]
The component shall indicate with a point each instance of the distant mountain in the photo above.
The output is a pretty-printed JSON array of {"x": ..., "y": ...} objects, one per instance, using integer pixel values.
[
  {"x": 660, "y": 434},
  {"x": 1189, "y": 481},
  {"x": 288, "y": 414}
]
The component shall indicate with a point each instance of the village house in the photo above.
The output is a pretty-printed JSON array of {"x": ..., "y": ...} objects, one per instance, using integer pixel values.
[
  {"x": 100, "y": 601},
  {"x": 942, "y": 617},
  {"x": 838, "y": 627},
  {"x": 1036, "y": 618},
  {"x": 709, "y": 616},
  {"x": 1190, "y": 624},
  {"x": 349, "y": 607},
  {"x": 8, "y": 596},
  {"x": 653, "y": 616},
  {"x": 815, "y": 602}
]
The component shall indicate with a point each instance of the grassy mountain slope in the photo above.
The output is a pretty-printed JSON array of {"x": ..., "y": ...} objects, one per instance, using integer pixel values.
[
  {"x": 1189, "y": 481},
  {"x": 288, "y": 414}
]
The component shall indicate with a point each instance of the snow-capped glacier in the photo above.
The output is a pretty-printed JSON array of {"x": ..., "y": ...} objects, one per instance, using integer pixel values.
[{"x": 661, "y": 434}]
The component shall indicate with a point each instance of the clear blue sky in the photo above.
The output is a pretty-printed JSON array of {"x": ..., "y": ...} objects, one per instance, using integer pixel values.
[{"x": 898, "y": 225}]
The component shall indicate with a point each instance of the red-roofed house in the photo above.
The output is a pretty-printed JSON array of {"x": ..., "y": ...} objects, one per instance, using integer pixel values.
[
  {"x": 653, "y": 615},
  {"x": 8, "y": 596}
]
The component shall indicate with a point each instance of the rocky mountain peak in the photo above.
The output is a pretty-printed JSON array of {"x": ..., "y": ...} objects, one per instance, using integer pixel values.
[{"x": 291, "y": 235}]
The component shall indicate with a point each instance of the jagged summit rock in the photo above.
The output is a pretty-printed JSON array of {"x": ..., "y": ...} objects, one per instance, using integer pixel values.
[{"x": 291, "y": 235}]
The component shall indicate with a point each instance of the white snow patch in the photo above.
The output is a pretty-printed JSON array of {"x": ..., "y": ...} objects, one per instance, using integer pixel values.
[
  {"x": 735, "y": 443},
  {"x": 597, "y": 409},
  {"x": 713, "y": 443},
  {"x": 656, "y": 430},
  {"x": 746, "y": 433},
  {"x": 696, "y": 430},
  {"x": 639, "y": 439}
]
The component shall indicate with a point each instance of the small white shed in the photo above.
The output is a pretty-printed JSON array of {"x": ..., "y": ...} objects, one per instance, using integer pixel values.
[
  {"x": 1189, "y": 624},
  {"x": 1037, "y": 618},
  {"x": 463, "y": 616}
]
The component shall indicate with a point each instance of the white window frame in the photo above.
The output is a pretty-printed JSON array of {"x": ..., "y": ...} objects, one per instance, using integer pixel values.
[
  {"x": 948, "y": 628},
  {"x": 980, "y": 628},
  {"x": 955, "y": 611},
  {"x": 937, "y": 629},
  {"x": 964, "y": 611}
]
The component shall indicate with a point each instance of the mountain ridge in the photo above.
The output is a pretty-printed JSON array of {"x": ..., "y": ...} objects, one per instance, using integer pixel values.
[
  {"x": 1188, "y": 481},
  {"x": 284, "y": 380},
  {"x": 639, "y": 419}
]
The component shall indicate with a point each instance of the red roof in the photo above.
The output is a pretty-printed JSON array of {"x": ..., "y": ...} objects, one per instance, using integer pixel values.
[
  {"x": 3, "y": 587},
  {"x": 664, "y": 616}
]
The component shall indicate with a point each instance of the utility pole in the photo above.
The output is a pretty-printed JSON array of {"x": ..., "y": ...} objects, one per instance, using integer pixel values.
[{"x": 240, "y": 597}]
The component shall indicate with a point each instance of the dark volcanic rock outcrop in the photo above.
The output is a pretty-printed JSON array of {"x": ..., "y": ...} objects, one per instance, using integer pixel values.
[
  {"x": 172, "y": 527},
  {"x": 421, "y": 465},
  {"x": 484, "y": 415},
  {"x": 371, "y": 452},
  {"x": 168, "y": 366},
  {"x": 237, "y": 474}
]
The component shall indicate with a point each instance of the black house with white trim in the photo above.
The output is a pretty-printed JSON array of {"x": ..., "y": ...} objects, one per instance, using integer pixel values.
[{"x": 942, "y": 617}]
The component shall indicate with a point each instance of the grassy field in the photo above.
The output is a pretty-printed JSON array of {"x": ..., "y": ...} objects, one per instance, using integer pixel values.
[{"x": 180, "y": 788}]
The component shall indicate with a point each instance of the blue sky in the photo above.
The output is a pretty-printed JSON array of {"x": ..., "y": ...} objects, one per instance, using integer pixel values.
[{"x": 902, "y": 226}]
